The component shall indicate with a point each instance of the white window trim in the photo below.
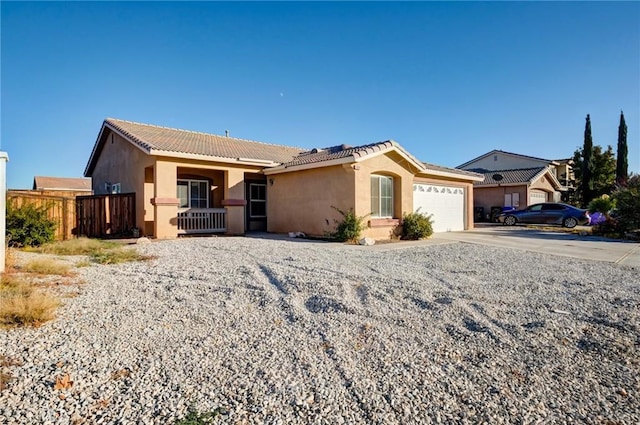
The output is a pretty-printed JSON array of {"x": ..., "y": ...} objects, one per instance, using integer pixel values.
[
  {"x": 251, "y": 215},
  {"x": 380, "y": 177},
  {"x": 189, "y": 181}
]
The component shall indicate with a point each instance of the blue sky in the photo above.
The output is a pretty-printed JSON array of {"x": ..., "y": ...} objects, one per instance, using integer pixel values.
[{"x": 448, "y": 81}]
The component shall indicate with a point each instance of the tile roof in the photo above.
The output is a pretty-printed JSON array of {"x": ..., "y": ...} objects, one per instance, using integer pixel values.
[
  {"x": 435, "y": 167},
  {"x": 522, "y": 175},
  {"x": 152, "y": 137},
  {"x": 338, "y": 152},
  {"x": 62, "y": 183},
  {"x": 157, "y": 140}
]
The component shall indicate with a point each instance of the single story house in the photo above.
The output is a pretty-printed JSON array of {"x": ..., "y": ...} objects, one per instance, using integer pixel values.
[
  {"x": 514, "y": 180},
  {"x": 75, "y": 185},
  {"x": 191, "y": 182}
]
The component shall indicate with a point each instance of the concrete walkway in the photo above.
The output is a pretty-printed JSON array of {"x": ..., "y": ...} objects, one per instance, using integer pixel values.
[{"x": 556, "y": 243}]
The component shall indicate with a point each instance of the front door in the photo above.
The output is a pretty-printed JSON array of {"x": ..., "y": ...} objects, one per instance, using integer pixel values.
[{"x": 256, "y": 211}]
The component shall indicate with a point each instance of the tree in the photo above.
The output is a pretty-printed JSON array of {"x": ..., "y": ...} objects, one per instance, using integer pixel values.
[
  {"x": 588, "y": 167},
  {"x": 603, "y": 176},
  {"x": 622, "y": 162},
  {"x": 628, "y": 204}
]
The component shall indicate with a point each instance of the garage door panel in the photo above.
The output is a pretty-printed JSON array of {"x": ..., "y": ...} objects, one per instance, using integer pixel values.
[
  {"x": 444, "y": 203},
  {"x": 537, "y": 197}
]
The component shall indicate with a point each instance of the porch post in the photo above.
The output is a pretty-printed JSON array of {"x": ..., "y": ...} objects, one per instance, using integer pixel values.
[
  {"x": 234, "y": 201},
  {"x": 165, "y": 203}
]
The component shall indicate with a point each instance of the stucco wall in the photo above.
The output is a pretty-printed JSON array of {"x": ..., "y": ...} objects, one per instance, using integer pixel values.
[
  {"x": 505, "y": 162},
  {"x": 488, "y": 197},
  {"x": 121, "y": 162},
  {"x": 301, "y": 201},
  {"x": 393, "y": 165}
]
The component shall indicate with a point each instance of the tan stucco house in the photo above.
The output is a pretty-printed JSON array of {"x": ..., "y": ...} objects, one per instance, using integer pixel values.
[
  {"x": 191, "y": 182},
  {"x": 514, "y": 180}
]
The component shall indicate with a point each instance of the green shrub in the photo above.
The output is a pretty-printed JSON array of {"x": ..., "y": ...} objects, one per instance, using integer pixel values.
[
  {"x": 628, "y": 205},
  {"x": 350, "y": 228},
  {"x": 28, "y": 225},
  {"x": 416, "y": 226},
  {"x": 603, "y": 205}
]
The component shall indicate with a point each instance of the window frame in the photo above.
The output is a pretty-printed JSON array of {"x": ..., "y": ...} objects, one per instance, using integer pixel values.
[
  {"x": 377, "y": 210},
  {"x": 190, "y": 198}
]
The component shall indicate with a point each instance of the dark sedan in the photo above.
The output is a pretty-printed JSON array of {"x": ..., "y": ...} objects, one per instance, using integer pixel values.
[{"x": 547, "y": 213}]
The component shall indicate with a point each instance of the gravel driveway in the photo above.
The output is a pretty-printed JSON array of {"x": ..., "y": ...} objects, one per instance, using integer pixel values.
[{"x": 279, "y": 332}]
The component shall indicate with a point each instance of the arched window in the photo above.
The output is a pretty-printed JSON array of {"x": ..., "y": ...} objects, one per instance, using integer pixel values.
[{"x": 381, "y": 196}]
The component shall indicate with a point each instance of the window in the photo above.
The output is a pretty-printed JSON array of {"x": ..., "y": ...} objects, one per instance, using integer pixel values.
[
  {"x": 257, "y": 200},
  {"x": 112, "y": 187},
  {"x": 381, "y": 196},
  {"x": 193, "y": 193},
  {"x": 552, "y": 207}
]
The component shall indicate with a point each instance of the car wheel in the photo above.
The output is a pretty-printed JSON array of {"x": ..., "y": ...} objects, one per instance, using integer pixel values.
[
  {"x": 570, "y": 222},
  {"x": 510, "y": 220}
]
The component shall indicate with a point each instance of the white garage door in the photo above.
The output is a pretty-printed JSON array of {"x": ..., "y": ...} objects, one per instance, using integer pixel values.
[
  {"x": 537, "y": 197},
  {"x": 446, "y": 203}
]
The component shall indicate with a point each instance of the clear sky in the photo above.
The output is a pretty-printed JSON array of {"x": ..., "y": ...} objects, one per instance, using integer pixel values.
[{"x": 447, "y": 80}]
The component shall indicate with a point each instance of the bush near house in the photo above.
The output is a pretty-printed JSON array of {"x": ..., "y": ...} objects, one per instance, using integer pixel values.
[
  {"x": 350, "y": 228},
  {"x": 28, "y": 225},
  {"x": 416, "y": 226}
]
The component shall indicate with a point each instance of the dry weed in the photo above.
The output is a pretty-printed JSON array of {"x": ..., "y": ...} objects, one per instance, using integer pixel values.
[
  {"x": 47, "y": 266},
  {"x": 21, "y": 304}
]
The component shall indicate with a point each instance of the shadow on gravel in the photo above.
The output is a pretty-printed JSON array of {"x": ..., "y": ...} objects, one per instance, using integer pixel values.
[
  {"x": 320, "y": 304},
  {"x": 273, "y": 280}
]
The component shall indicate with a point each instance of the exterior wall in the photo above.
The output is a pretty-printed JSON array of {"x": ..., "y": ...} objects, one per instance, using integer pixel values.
[
  {"x": 468, "y": 190},
  {"x": 505, "y": 162},
  {"x": 121, "y": 162},
  {"x": 488, "y": 197},
  {"x": 301, "y": 201},
  {"x": 390, "y": 164}
]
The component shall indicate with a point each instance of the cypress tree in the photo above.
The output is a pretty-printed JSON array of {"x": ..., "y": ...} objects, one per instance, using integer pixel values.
[
  {"x": 587, "y": 164},
  {"x": 622, "y": 163}
]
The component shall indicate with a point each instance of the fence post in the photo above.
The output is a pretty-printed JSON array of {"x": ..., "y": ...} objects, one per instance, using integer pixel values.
[{"x": 3, "y": 206}]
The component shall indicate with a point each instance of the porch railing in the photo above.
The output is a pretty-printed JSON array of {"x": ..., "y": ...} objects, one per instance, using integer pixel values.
[{"x": 201, "y": 220}]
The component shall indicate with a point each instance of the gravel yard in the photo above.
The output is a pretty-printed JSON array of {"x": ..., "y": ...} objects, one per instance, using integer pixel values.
[{"x": 294, "y": 332}]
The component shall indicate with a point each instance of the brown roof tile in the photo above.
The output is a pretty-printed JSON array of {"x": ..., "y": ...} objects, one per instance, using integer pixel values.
[
  {"x": 522, "y": 175},
  {"x": 61, "y": 183},
  {"x": 152, "y": 137},
  {"x": 435, "y": 167},
  {"x": 337, "y": 152}
]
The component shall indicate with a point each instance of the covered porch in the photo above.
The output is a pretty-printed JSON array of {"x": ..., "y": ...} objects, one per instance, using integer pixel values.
[{"x": 187, "y": 199}]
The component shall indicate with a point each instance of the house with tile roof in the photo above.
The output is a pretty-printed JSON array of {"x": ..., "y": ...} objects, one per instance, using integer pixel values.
[
  {"x": 62, "y": 184},
  {"x": 514, "y": 180},
  {"x": 191, "y": 182}
]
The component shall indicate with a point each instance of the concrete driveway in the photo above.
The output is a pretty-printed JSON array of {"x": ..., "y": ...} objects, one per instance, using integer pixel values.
[{"x": 556, "y": 243}]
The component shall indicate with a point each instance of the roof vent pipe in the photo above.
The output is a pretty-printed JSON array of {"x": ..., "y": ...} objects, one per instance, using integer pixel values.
[{"x": 226, "y": 133}]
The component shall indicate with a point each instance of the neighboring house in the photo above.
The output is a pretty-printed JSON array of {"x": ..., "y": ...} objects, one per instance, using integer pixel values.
[
  {"x": 514, "y": 180},
  {"x": 190, "y": 182},
  {"x": 63, "y": 185}
]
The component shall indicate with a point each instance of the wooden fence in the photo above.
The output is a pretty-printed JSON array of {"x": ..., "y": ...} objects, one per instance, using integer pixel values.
[
  {"x": 100, "y": 216},
  {"x": 60, "y": 209}
]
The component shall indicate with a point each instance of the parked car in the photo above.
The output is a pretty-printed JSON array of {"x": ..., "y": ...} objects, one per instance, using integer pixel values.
[{"x": 546, "y": 213}]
